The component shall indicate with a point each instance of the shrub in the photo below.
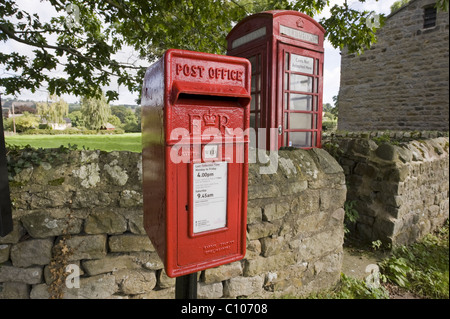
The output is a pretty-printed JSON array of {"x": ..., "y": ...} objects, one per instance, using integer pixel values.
[
  {"x": 329, "y": 125},
  {"x": 423, "y": 267}
]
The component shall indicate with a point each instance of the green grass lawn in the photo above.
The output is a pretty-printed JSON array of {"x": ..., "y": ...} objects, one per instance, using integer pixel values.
[{"x": 114, "y": 142}]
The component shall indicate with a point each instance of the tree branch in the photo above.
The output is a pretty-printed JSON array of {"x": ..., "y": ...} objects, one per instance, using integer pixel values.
[
  {"x": 125, "y": 12},
  {"x": 12, "y": 35}
]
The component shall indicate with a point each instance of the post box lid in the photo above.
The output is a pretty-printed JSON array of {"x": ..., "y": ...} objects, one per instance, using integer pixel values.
[{"x": 204, "y": 82}]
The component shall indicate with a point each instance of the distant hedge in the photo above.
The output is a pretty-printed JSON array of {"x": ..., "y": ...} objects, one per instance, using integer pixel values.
[{"x": 71, "y": 131}]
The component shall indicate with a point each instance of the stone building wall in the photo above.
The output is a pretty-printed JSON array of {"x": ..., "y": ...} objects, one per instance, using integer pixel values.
[
  {"x": 398, "y": 183},
  {"x": 402, "y": 81},
  {"x": 84, "y": 209}
]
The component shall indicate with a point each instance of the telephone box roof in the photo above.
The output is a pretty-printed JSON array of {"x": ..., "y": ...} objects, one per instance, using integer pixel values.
[{"x": 274, "y": 14}]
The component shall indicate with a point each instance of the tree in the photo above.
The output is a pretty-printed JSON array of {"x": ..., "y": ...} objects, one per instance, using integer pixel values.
[
  {"x": 77, "y": 118},
  {"x": 138, "y": 114},
  {"x": 398, "y": 4},
  {"x": 20, "y": 109},
  {"x": 53, "y": 112},
  {"x": 22, "y": 123},
  {"x": 442, "y": 5},
  {"x": 120, "y": 111},
  {"x": 88, "y": 33},
  {"x": 130, "y": 119},
  {"x": 330, "y": 111},
  {"x": 114, "y": 120},
  {"x": 131, "y": 123},
  {"x": 96, "y": 112},
  {"x": 336, "y": 105}
]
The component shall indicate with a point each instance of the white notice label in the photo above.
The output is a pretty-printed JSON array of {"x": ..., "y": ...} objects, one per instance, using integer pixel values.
[
  {"x": 302, "y": 64},
  {"x": 209, "y": 196},
  {"x": 210, "y": 151}
]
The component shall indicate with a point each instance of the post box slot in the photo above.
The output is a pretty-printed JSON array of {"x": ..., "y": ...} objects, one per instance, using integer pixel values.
[
  {"x": 187, "y": 96},
  {"x": 188, "y": 92}
]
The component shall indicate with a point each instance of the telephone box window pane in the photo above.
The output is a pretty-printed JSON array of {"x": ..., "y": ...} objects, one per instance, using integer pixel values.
[
  {"x": 301, "y": 83},
  {"x": 300, "y": 139},
  {"x": 302, "y": 64},
  {"x": 316, "y": 86},
  {"x": 313, "y": 139},
  {"x": 253, "y": 83},
  {"x": 286, "y": 61},
  {"x": 253, "y": 120},
  {"x": 300, "y": 102},
  {"x": 253, "y": 63},
  {"x": 300, "y": 121},
  {"x": 253, "y": 102},
  {"x": 317, "y": 66},
  {"x": 286, "y": 81},
  {"x": 286, "y": 100},
  {"x": 286, "y": 123},
  {"x": 258, "y": 82}
]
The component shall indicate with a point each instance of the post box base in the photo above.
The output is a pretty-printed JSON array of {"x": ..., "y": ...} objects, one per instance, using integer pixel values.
[{"x": 174, "y": 272}]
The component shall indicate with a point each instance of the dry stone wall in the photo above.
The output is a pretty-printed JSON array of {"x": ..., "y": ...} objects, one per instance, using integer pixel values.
[
  {"x": 85, "y": 211},
  {"x": 398, "y": 182}
]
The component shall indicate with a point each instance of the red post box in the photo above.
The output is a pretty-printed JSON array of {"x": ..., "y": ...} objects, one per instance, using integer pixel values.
[
  {"x": 286, "y": 51},
  {"x": 195, "y": 167}
]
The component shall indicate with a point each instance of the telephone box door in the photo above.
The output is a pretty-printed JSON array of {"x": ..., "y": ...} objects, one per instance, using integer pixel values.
[{"x": 300, "y": 77}]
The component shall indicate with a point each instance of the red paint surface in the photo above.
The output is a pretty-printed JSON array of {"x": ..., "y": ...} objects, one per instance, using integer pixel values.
[
  {"x": 271, "y": 49},
  {"x": 190, "y": 100}
]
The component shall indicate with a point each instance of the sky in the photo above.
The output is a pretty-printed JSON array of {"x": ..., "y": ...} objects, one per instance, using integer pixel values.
[{"x": 332, "y": 59}]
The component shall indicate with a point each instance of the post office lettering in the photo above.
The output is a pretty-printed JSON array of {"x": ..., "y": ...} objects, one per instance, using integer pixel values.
[
  {"x": 189, "y": 70},
  {"x": 198, "y": 71}
]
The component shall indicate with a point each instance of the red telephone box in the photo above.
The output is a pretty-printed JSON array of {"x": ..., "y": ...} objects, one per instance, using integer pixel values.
[
  {"x": 195, "y": 168},
  {"x": 286, "y": 51}
]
